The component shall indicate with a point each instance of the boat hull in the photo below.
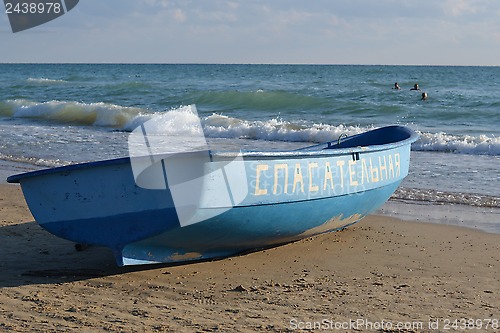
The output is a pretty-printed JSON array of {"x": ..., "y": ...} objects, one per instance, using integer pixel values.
[
  {"x": 251, "y": 228},
  {"x": 274, "y": 198}
]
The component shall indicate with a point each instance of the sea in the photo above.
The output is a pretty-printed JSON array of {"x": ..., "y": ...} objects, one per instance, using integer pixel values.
[{"x": 58, "y": 114}]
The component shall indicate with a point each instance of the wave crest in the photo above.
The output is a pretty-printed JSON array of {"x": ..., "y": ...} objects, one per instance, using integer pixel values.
[
  {"x": 463, "y": 144},
  {"x": 90, "y": 114},
  {"x": 276, "y": 129}
]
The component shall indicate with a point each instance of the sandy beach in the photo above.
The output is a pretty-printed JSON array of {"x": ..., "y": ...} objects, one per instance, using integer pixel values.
[{"x": 381, "y": 275}]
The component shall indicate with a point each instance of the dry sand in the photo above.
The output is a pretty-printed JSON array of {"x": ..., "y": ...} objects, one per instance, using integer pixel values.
[{"x": 380, "y": 269}]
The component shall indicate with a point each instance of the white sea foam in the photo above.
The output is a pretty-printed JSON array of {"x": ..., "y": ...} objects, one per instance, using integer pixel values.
[
  {"x": 444, "y": 197},
  {"x": 182, "y": 121},
  {"x": 276, "y": 129},
  {"x": 33, "y": 161},
  {"x": 464, "y": 144},
  {"x": 43, "y": 80}
]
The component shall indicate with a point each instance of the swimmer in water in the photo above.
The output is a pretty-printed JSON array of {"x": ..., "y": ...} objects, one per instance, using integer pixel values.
[
  {"x": 424, "y": 96},
  {"x": 396, "y": 86},
  {"x": 415, "y": 87}
]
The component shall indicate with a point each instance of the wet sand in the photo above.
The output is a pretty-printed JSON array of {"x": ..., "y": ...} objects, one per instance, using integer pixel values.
[{"x": 372, "y": 276}]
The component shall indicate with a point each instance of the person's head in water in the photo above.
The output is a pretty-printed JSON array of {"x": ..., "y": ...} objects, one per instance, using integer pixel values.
[
  {"x": 415, "y": 87},
  {"x": 396, "y": 86},
  {"x": 424, "y": 96}
]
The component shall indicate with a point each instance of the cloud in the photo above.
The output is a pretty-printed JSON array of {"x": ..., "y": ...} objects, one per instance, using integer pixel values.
[
  {"x": 463, "y": 7},
  {"x": 320, "y": 31},
  {"x": 156, "y": 3}
]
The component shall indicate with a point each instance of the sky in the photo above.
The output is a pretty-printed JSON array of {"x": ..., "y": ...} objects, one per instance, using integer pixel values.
[{"x": 389, "y": 32}]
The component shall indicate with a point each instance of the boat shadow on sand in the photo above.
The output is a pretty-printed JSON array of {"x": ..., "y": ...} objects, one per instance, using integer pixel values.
[{"x": 30, "y": 255}]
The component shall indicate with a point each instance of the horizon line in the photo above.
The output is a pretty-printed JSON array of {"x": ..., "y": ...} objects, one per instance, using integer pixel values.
[{"x": 238, "y": 64}]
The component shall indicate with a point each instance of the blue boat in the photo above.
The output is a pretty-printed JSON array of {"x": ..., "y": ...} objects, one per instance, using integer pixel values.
[{"x": 243, "y": 201}]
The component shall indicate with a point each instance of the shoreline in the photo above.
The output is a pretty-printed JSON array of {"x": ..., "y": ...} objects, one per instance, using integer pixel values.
[
  {"x": 484, "y": 219},
  {"x": 380, "y": 269},
  {"x": 9, "y": 168}
]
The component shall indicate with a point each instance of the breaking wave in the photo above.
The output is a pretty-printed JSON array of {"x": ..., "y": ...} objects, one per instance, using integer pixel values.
[
  {"x": 281, "y": 130},
  {"x": 461, "y": 144},
  {"x": 222, "y": 126},
  {"x": 90, "y": 114}
]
